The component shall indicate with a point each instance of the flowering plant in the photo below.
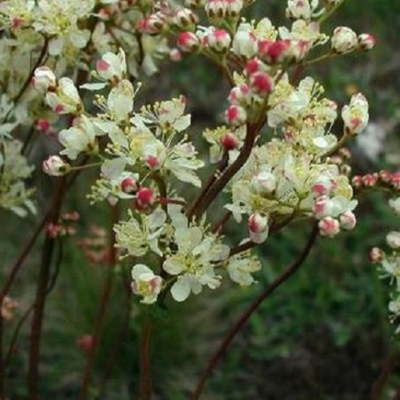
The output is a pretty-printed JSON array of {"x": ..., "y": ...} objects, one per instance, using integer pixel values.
[{"x": 279, "y": 151}]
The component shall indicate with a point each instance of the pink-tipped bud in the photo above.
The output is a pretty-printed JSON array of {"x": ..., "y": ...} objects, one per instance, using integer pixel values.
[
  {"x": 184, "y": 18},
  {"x": 152, "y": 162},
  {"x": 175, "y": 55},
  {"x": 253, "y": 66},
  {"x": 329, "y": 227},
  {"x": 344, "y": 40},
  {"x": 258, "y": 228},
  {"x": 273, "y": 52},
  {"x": 55, "y": 166},
  {"x": 261, "y": 83},
  {"x": 218, "y": 40},
  {"x": 235, "y": 115},
  {"x": 348, "y": 221},
  {"x": 370, "y": 180},
  {"x": 230, "y": 141},
  {"x": 188, "y": 42},
  {"x": 144, "y": 198},
  {"x": 323, "y": 186},
  {"x": 44, "y": 79},
  {"x": 385, "y": 176},
  {"x": 395, "y": 180},
  {"x": 376, "y": 255},
  {"x": 322, "y": 207},
  {"x": 366, "y": 42},
  {"x": 264, "y": 183},
  {"x": 240, "y": 95},
  {"x": 129, "y": 185},
  {"x": 153, "y": 24},
  {"x": 43, "y": 125},
  {"x": 357, "y": 181},
  {"x": 216, "y": 9}
]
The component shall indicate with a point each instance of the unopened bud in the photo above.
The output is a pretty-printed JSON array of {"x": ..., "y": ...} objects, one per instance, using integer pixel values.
[
  {"x": 236, "y": 115},
  {"x": 348, "y": 221},
  {"x": 44, "y": 79},
  {"x": 129, "y": 185},
  {"x": 230, "y": 141},
  {"x": 376, "y": 255},
  {"x": 366, "y": 42},
  {"x": 144, "y": 198},
  {"x": 258, "y": 228},
  {"x": 261, "y": 83},
  {"x": 329, "y": 227},
  {"x": 393, "y": 240},
  {"x": 55, "y": 166},
  {"x": 344, "y": 40},
  {"x": 188, "y": 42}
]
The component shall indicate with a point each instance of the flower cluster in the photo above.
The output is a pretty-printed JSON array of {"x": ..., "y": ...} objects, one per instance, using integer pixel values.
[{"x": 279, "y": 156}]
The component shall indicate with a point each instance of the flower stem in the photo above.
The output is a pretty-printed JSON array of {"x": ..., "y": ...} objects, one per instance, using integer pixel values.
[
  {"x": 105, "y": 299},
  {"x": 245, "y": 316},
  {"x": 145, "y": 362}
]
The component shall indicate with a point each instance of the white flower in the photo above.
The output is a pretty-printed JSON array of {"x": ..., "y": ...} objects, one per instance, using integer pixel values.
[
  {"x": 194, "y": 262},
  {"x": 240, "y": 269},
  {"x": 395, "y": 205},
  {"x": 146, "y": 283},
  {"x": 120, "y": 100}
]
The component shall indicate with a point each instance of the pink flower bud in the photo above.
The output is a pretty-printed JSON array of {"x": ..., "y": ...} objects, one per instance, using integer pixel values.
[
  {"x": 154, "y": 23},
  {"x": 264, "y": 183},
  {"x": 44, "y": 79},
  {"x": 55, "y": 166},
  {"x": 175, "y": 55},
  {"x": 230, "y": 141},
  {"x": 395, "y": 180},
  {"x": 188, "y": 42},
  {"x": 216, "y": 9},
  {"x": 370, "y": 180},
  {"x": 240, "y": 95},
  {"x": 357, "y": 181},
  {"x": 236, "y": 115},
  {"x": 385, "y": 176},
  {"x": 261, "y": 83},
  {"x": 322, "y": 207},
  {"x": 253, "y": 66},
  {"x": 366, "y": 41},
  {"x": 129, "y": 185},
  {"x": 258, "y": 228},
  {"x": 329, "y": 227},
  {"x": 344, "y": 40},
  {"x": 323, "y": 186},
  {"x": 144, "y": 198},
  {"x": 348, "y": 220},
  {"x": 218, "y": 40},
  {"x": 152, "y": 162},
  {"x": 184, "y": 18},
  {"x": 376, "y": 255},
  {"x": 43, "y": 124},
  {"x": 273, "y": 52}
]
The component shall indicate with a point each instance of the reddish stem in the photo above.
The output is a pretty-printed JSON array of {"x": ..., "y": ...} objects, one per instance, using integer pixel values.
[
  {"x": 105, "y": 298},
  {"x": 41, "y": 292},
  {"x": 145, "y": 362},
  {"x": 227, "y": 340}
]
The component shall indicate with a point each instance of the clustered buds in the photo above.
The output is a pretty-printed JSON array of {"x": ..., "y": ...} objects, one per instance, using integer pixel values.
[
  {"x": 381, "y": 179},
  {"x": 345, "y": 40}
]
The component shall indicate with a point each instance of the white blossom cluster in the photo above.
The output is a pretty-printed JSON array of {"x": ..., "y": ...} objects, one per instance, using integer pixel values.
[{"x": 278, "y": 139}]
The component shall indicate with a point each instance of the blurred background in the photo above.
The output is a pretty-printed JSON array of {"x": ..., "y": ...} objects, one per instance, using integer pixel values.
[{"x": 324, "y": 335}]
